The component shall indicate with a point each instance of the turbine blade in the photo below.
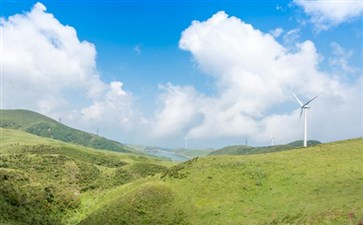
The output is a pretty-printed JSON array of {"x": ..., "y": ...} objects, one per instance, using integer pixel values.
[
  {"x": 309, "y": 101},
  {"x": 301, "y": 112},
  {"x": 297, "y": 99}
]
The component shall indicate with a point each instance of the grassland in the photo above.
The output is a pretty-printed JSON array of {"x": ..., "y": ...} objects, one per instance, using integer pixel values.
[
  {"x": 317, "y": 185},
  {"x": 45, "y": 181}
]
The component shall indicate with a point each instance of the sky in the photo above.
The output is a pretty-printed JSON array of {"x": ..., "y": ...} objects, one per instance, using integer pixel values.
[{"x": 219, "y": 72}]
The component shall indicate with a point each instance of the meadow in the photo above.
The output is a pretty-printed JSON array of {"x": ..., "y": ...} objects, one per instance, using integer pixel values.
[
  {"x": 317, "y": 185},
  {"x": 48, "y": 181}
]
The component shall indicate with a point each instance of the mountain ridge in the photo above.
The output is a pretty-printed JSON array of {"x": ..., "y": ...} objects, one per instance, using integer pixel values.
[
  {"x": 40, "y": 125},
  {"x": 250, "y": 150}
]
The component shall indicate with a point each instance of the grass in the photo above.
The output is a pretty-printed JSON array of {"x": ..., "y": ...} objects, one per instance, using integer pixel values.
[
  {"x": 44, "y": 181},
  {"x": 301, "y": 186},
  {"x": 317, "y": 185}
]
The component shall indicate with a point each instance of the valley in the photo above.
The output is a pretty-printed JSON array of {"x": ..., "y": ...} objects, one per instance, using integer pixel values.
[{"x": 48, "y": 181}]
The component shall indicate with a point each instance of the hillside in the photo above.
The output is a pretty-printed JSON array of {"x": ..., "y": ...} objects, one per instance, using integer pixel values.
[
  {"x": 317, "y": 185},
  {"x": 40, "y": 125},
  {"x": 249, "y": 150},
  {"x": 44, "y": 181}
]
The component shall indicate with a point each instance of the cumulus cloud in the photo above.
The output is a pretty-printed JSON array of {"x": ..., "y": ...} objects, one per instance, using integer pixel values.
[
  {"x": 325, "y": 14},
  {"x": 291, "y": 37},
  {"x": 255, "y": 75},
  {"x": 137, "y": 49},
  {"x": 277, "y": 32},
  {"x": 48, "y": 69},
  {"x": 43, "y": 59},
  {"x": 178, "y": 110},
  {"x": 340, "y": 59}
]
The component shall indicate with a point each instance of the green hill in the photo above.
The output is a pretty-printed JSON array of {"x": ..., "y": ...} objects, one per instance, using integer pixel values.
[
  {"x": 46, "y": 181},
  {"x": 317, "y": 185},
  {"x": 249, "y": 150},
  {"x": 40, "y": 125}
]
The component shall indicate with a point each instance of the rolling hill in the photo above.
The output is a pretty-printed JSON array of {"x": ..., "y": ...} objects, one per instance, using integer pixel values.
[
  {"x": 41, "y": 125},
  {"x": 317, "y": 185},
  {"x": 47, "y": 181},
  {"x": 249, "y": 150}
]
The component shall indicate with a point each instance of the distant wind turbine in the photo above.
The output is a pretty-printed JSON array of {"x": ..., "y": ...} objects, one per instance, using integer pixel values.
[{"x": 304, "y": 108}]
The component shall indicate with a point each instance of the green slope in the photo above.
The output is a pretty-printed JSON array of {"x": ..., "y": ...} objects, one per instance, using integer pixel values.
[
  {"x": 40, "y": 125},
  {"x": 249, "y": 150},
  {"x": 46, "y": 181},
  {"x": 317, "y": 185}
]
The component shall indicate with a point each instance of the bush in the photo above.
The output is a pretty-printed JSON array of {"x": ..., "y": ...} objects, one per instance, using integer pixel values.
[
  {"x": 146, "y": 169},
  {"x": 151, "y": 204},
  {"x": 29, "y": 202}
]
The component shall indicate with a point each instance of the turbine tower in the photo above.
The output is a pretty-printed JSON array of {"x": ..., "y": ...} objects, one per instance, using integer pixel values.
[{"x": 304, "y": 108}]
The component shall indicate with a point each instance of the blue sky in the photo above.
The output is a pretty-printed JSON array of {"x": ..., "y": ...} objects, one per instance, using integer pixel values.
[{"x": 167, "y": 87}]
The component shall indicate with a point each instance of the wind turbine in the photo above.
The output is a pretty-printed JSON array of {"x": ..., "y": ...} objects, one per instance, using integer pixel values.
[{"x": 304, "y": 108}]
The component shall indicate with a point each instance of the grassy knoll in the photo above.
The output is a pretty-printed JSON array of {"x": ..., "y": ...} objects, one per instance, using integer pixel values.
[
  {"x": 43, "y": 126},
  {"x": 317, "y": 185}
]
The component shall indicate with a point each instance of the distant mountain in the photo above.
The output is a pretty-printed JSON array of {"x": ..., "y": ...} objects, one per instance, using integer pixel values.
[
  {"x": 43, "y": 126},
  {"x": 249, "y": 150}
]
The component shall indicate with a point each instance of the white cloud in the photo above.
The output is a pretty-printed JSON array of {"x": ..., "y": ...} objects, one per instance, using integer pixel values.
[
  {"x": 340, "y": 59},
  {"x": 137, "y": 49},
  {"x": 325, "y": 14},
  {"x": 43, "y": 58},
  {"x": 48, "y": 69},
  {"x": 279, "y": 8},
  {"x": 291, "y": 37},
  {"x": 114, "y": 112},
  {"x": 277, "y": 32},
  {"x": 255, "y": 74},
  {"x": 178, "y": 111}
]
